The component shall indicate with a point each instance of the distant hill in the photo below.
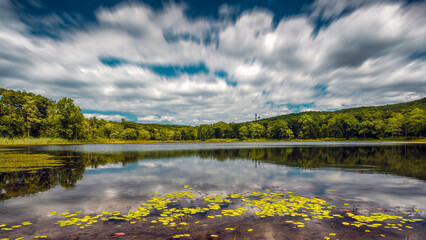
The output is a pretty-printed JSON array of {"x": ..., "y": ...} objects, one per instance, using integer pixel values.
[{"x": 399, "y": 107}]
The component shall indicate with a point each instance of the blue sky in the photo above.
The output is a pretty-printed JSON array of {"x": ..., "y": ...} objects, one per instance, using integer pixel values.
[{"x": 195, "y": 62}]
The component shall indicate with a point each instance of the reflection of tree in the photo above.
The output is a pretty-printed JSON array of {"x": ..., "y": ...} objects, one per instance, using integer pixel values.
[
  {"x": 407, "y": 161},
  {"x": 23, "y": 183},
  {"x": 404, "y": 160},
  {"x": 15, "y": 184}
]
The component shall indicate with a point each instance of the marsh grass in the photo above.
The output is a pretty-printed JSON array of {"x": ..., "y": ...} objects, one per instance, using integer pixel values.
[
  {"x": 33, "y": 141},
  {"x": 14, "y": 162}
]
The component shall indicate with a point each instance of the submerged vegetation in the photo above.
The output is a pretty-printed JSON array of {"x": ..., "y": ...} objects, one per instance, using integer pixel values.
[
  {"x": 190, "y": 209},
  {"x": 13, "y": 162},
  {"x": 29, "y": 116}
]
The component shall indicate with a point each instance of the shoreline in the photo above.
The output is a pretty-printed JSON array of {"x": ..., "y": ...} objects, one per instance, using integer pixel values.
[{"x": 42, "y": 141}]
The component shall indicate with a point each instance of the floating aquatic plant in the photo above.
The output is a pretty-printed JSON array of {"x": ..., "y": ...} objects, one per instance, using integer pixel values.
[{"x": 167, "y": 209}]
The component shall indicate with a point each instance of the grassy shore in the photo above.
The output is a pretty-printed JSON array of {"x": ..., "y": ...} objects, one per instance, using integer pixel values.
[{"x": 58, "y": 141}]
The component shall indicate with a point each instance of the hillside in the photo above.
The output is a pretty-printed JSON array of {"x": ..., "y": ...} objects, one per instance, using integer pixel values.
[
  {"x": 399, "y": 107},
  {"x": 27, "y": 115}
]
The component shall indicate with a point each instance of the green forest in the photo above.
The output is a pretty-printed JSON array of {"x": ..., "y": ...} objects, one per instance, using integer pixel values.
[{"x": 28, "y": 115}]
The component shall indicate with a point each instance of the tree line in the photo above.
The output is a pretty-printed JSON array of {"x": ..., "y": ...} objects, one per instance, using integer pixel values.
[{"x": 25, "y": 114}]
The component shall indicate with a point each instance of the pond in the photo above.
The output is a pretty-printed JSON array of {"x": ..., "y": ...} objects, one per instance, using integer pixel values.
[{"x": 307, "y": 190}]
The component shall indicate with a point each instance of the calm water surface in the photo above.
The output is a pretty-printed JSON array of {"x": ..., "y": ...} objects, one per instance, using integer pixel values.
[{"x": 96, "y": 178}]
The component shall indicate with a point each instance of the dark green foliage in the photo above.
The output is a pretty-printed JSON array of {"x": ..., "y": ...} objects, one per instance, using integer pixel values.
[
  {"x": 205, "y": 131},
  {"x": 29, "y": 115},
  {"x": 69, "y": 121},
  {"x": 243, "y": 132},
  {"x": 22, "y": 113},
  {"x": 399, "y": 107},
  {"x": 405, "y": 120},
  {"x": 222, "y": 130},
  {"x": 280, "y": 130}
]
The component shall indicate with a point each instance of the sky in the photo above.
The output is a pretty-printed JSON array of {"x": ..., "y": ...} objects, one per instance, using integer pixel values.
[{"x": 200, "y": 62}]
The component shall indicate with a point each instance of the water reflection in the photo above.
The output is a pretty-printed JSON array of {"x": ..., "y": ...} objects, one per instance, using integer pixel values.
[{"x": 403, "y": 160}]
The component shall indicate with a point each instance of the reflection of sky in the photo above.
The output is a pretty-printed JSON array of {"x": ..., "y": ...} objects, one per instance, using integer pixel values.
[
  {"x": 109, "y": 148},
  {"x": 111, "y": 187},
  {"x": 108, "y": 166}
]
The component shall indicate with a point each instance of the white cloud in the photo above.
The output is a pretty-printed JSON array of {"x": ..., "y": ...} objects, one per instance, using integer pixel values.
[
  {"x": 107, "y": 166},
  {"x": 152, "y": 118},
  {"x": 362, "y": 58},
  {"x": 110, "y": 117}
]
